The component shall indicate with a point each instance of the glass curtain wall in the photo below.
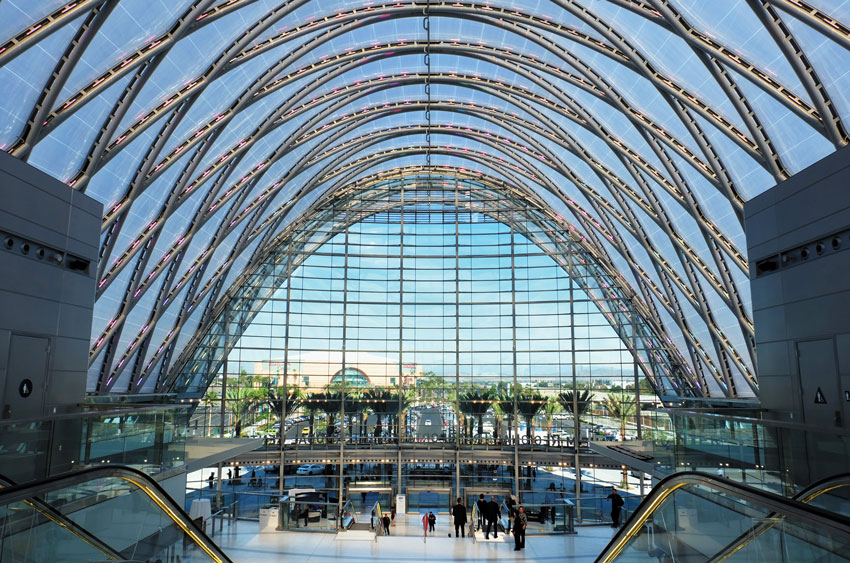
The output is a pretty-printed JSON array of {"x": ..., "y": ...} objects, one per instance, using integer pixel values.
[{"x": 443, "y": 315}]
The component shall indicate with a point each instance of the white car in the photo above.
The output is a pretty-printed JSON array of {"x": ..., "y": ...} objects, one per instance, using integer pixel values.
[
  {"x": 428, "y": 422},
  {"x": 311, "y": 469}
]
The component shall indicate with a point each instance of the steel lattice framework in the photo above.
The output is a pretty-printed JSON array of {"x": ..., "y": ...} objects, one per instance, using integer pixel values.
[{"x": 208, "y": 128}]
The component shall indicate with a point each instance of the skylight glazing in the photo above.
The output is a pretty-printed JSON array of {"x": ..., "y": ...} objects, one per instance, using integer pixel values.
[{"x": 205, "y": 128}]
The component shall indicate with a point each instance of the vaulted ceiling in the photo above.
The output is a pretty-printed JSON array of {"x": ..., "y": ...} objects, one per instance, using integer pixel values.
[{"x": 206, "y": 127}]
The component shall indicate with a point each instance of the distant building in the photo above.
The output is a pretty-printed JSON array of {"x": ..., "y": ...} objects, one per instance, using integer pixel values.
[{"x": 316, "y": 370}]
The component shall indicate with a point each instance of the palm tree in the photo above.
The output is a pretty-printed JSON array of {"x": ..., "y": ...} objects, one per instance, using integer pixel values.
[
  {"x": 291, "y": 402},
  {"x": 505, "y": 401},
  {"x": 354, "y": 406},
  {"x": 528, "y": 404},
  {"x": 329, "y": 403},
  {"x": 498, "y": 415},
  {"x": 620, "y": 407},
  {"x": 550, "y": 408},
  {"x": 243, "y": 402},
  {"x": 211, "y": 398},
  {"x": 385, "y": 402},
  {"x": 582, "y": 403},
  {"x": 475, "y": 402}
]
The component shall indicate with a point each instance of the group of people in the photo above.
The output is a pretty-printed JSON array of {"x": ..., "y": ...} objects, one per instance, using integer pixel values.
[
  {"x": 488, "y": 516},
  {"x": 489, "y": 512}
]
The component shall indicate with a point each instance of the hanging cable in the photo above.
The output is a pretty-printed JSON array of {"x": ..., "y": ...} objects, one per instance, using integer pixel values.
[{"x": 426, "y": 23}]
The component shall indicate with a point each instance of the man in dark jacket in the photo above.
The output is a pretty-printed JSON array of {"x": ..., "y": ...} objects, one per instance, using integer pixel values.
[
  {"x": 481, "y": 505},
  {"x": 491, "y": 513},
  {"x": 459, "y": 513},
  {"x": 520, "y": 522},
  {"x": 617, "y": 503},
  {"x": 386, "y": 522}
]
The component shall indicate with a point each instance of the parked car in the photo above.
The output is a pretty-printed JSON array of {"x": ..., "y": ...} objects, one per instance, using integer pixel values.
[{"x": 311, "y": 469}]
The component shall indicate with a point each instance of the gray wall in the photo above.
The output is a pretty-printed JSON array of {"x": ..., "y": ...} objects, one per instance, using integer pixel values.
[
  {"x": 798, "y": 238},
  {"x": 49, "y": 236}
]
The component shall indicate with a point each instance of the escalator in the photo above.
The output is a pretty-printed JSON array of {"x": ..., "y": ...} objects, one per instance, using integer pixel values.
[
  {"x": 694, "y": 517},
  {"x": 100, "y": 514}
]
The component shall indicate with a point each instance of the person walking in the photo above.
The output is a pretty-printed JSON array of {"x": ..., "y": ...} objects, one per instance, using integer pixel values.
[
  {"x": 481, "y": 505},
  {"x": 459, "y": 513},
  {"x": 386, "y": 520},
  {"x": 520, "y": 522},
  {"x": 492, "y": 515},
  {"x": 211, "y": 479},
  {"x": 617, "y": 503},
  {"x": 431, "y": 521},
  {"x": 510, "y": 503}
]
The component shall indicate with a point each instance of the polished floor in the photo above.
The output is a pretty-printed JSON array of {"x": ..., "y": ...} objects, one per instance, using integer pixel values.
[{"x": 244, "y": 543}]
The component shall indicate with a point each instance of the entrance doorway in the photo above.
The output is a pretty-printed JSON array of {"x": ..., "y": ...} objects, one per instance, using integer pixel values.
[
  {"x": 363, "y": 497},
  {"x": 425, "y": 499}
]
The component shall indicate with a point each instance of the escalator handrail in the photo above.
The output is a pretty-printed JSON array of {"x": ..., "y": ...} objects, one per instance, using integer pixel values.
[
  {"x": 805, "y": 496},
  {"x": 819, "y": 518},
  {"x": 60, "y": 519},
  {"x": 823, "y": 486},
  {"x": 142, "y": 481}
]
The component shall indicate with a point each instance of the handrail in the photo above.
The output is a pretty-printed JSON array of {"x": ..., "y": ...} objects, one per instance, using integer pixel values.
[
  {"x": 27, "y": 491},
  {"x": 823, "y": 486},
  {"x": 61, "y": 520},
  {"x": 821, "y": 519},
  {"x": 805, "y": 496},
  {"x": 768, "y": 422},
  {"x": 72, "y": 415},
  {"x": 472, "y": 523},
  {"x": 347, "y": 511},
  {"x": 379, "y": 520}
]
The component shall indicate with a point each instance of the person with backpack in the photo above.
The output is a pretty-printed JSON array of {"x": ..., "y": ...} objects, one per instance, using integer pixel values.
[{"x": 617, "y": 503}]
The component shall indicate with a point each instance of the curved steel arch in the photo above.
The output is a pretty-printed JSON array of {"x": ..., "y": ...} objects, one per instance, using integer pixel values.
[
  {"x": 667, "y": 296},
  {"x": 691, "y": 290},
  {"x": 282, "y": 248},
  {"x": 121, "y": 363},
  {"x": 617, "y": 148}
]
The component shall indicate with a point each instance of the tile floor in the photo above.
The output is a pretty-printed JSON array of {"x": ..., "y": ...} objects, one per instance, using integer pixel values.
[{"x": 244, "y": 543}]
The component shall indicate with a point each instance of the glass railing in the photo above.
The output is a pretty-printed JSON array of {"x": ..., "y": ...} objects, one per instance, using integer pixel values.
[
  {"x": 548, "y": 519},
  {"x": 347, "y": 516},
  {"x": 699, "y": 517},
  {"x": 99, "y": 514},
  {"x": 151, "y": 439},
  {"x": 376, "y": 520},
  {"x": 769, "y": 454},
  {"x": 312, "y": 516}
]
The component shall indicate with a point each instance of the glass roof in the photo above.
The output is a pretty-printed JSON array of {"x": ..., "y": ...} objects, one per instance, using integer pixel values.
[{"x": 205, "y": 128}]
